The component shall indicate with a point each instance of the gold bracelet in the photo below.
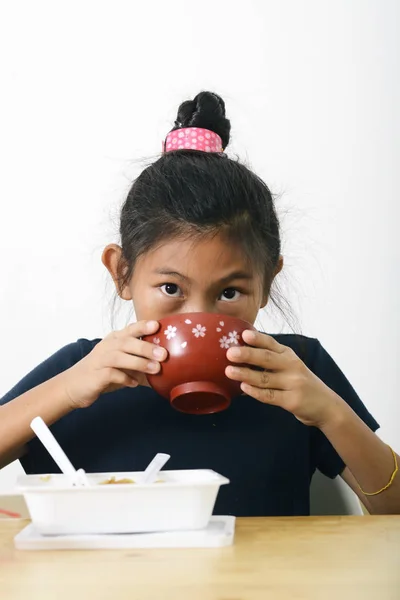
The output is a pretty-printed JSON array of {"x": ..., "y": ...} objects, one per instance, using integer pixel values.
[{"x": 396, "y": 468}]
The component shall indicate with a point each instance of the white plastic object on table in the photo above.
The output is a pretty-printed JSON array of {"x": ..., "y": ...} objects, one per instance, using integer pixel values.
[
  {"x": 219, "y": 532},
  {"x": 48, "y": 440},
  {"x": 184, "y": 500},
  {"x": 151, "y": 472}
]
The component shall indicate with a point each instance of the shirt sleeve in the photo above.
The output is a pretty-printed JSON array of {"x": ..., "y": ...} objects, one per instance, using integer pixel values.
[
  {"x": 325, "y": 457},
  {"x": 56, "y": 364}
]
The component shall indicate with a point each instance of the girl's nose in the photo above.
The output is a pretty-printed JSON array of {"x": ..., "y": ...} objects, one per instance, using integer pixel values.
[{"x": 199, "y": 306}]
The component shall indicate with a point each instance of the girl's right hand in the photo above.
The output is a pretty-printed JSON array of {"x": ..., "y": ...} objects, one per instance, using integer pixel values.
[{"x": 120, "y": 360}]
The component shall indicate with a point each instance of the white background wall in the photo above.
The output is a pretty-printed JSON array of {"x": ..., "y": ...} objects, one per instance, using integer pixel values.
[{"x": 312, "y": 89}]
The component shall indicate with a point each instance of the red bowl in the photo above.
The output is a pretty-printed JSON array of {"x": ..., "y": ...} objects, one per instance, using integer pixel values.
[{"x": 193, "y": 376}]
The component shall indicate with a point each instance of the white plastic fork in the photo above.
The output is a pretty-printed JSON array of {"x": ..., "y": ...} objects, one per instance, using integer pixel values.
[{"x": 78, "y": 478}]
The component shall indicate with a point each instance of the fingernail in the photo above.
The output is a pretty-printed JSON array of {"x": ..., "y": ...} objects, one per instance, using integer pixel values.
[
  {"x": 153, "y": 367},
  {"x": 159, "y": 353},
  {"x": 235, "y": 352},
  {"x": 151, "y": 325},
  {"x": 251, "y": 336}
]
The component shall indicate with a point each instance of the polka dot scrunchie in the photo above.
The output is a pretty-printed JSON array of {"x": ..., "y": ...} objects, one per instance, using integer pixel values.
[{"x": 193, "y": 138}]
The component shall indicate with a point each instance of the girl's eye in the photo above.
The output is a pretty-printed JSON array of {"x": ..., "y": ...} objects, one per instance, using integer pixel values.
[
  {"x": 230, "y": 295},
  {"x": 171, "y": 289}
]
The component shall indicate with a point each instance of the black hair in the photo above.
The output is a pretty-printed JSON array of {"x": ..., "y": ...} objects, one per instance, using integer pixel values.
[{"x": 188, "y": 193}]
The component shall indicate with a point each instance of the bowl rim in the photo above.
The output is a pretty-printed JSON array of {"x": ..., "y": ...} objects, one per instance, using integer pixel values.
[{"x": 217, "y": 316}]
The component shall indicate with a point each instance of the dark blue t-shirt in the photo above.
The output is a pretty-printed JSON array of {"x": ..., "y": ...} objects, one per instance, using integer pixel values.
[{"x": 268, "y": 455}]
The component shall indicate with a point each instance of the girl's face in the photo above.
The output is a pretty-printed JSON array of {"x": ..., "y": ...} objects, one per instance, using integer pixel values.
[{"x": 181, "y": 276}]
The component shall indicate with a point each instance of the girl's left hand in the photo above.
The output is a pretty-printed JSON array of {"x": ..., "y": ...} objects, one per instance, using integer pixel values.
[{"x": 282, "y": 379}]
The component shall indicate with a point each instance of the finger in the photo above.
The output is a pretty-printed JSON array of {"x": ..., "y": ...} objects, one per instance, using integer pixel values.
[
  {"x": 119, "y": 378},
  {"x": 127, "y": 362},
  {"x": 139, "y": 329},
  {"x": 262, "y": 340},
  {"x": 266, "y": 396},
  {"x": 140, "y": 348},
  {"x": 260, "y": 379},
  {"x": 257, "y": 357}
]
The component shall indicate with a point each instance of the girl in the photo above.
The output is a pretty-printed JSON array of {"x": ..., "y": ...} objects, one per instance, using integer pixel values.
[{"x": 199, "y": 232}]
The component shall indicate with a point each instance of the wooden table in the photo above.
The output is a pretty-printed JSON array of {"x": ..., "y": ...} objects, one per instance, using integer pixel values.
[{"x": 306, "y": 558}]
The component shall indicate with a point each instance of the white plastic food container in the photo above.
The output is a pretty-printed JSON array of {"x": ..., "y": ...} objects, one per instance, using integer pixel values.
[{"x": 180, "y": 500}]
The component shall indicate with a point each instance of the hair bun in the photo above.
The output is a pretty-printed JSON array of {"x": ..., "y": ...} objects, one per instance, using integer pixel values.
[{"x": 206, "y": 110}]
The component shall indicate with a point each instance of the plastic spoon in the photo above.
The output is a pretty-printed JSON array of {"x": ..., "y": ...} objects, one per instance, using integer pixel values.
[
  {"x": 48, "y": 440},
  {"x": 151, "y": 473}
]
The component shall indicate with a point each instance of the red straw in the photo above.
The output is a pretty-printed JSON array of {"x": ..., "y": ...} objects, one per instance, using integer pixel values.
[{"x": 9, "y": 513}]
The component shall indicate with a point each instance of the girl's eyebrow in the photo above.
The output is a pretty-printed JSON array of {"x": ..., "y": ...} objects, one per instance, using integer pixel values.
[
  {"x": 231, "y": 277},
  {"x": 243, "y": 275},
  {"x": 171, "y": 273}
]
